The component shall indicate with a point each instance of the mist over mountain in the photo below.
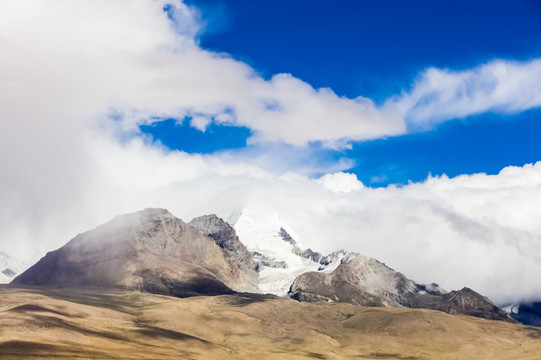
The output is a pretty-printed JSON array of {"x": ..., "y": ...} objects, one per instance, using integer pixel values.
[{"x": 152, "y": 251}]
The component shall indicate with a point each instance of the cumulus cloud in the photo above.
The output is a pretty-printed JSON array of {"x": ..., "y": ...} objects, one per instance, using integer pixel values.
[
  {"x": 142, "y": 61},
  {"x": 73, "y": 73},
  {"x": 476, "y": 230},
  {"x": 499, "y": 86},
  {"x": 340, "y": 182},
  {"x": 77, "y": 78}
]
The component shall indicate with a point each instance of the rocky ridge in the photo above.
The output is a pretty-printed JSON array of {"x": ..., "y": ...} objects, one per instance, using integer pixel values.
[
  {"x": 365, "y": 281},
  {"x": 152, "y": 251}
]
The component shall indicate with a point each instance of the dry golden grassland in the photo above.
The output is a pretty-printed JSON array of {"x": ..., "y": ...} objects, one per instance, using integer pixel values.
[{"x": 108, "y": 324}]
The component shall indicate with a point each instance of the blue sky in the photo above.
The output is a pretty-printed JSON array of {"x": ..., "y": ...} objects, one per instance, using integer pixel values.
[{"x": 377, "y": 50}]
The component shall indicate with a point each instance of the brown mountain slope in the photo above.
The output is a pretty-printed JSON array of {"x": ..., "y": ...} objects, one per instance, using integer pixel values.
[
  {"x": 116, "y": 324},
  {"x": 152, "y": 251},
  {"x": 365, "y": 281}
]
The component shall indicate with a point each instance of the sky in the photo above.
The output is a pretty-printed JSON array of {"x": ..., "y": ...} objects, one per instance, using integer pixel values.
[
  {"x": 406, "y": 131},
  {"x": 377, "y": 50}
]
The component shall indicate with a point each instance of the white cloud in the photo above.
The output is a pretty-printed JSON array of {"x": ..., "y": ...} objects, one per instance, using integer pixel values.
[
  {"x": 128, "y": 56},
  {"x": 479, "y": 230},
  {"x": 500, "y": 86},
  {"x": 66, "y": 66},
  {"x": 200, "y": 122},
  {"x": 340, "y": 182}
]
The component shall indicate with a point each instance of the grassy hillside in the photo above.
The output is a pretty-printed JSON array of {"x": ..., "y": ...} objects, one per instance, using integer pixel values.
[{"x": 97, "y": 323}]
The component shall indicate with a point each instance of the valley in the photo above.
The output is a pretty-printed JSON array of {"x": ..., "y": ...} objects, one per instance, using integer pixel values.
[{"x": 97, "y": 323}]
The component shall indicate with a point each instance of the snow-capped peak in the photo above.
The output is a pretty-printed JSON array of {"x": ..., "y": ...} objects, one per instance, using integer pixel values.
[
  {"x": 277, "y": 250},
  {"x": 11, "y": 266}
]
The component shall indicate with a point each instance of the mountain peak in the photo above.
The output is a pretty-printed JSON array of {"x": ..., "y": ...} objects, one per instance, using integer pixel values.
[
  {"x": 277, "y": 250},
  {"x": 149, "y": 250},
  {"x": 210, "y": 224},
  {"x": 149, "y": 213},
  {"x": 226, "y": 238}
]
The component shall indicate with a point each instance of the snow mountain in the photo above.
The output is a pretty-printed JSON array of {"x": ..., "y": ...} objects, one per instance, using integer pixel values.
[
  {"x": 13, "y": 265},
  {"x": 279, "y": 257},
  {"x": 153, "y": 251}
]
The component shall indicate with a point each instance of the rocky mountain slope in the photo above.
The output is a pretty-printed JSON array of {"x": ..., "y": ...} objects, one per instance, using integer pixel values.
[
  {"x": 365, "y": 281},
  {"x": 153, "y": 251}
]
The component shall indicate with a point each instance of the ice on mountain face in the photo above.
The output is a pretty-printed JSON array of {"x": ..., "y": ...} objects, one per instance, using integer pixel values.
[
  {"x": 261, "y": 230},
  {"x": 11, "y": 266},
  {"x": 277, "y": 250},
  {"x": 264, "y": 261},
  {"x": 330, "y": 262},
  {"x": 511, "y": 309}
]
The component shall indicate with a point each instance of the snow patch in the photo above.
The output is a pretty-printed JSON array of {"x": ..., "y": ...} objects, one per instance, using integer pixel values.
[
  {"x": 511, "y": 309},
  {"x": 12, "y": 265}
]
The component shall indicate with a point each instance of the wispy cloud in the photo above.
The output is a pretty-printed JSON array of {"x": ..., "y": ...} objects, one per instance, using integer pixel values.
[{"x": 500, "y": 86}]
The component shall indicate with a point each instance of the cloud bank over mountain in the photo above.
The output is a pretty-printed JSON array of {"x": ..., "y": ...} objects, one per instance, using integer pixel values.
[{"x": 78, "y": 78}]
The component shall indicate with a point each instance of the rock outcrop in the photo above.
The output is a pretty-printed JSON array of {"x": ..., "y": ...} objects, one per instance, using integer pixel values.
[
  {"x": 467, "y": 302},
  {"x": 226, "y": 238}
]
